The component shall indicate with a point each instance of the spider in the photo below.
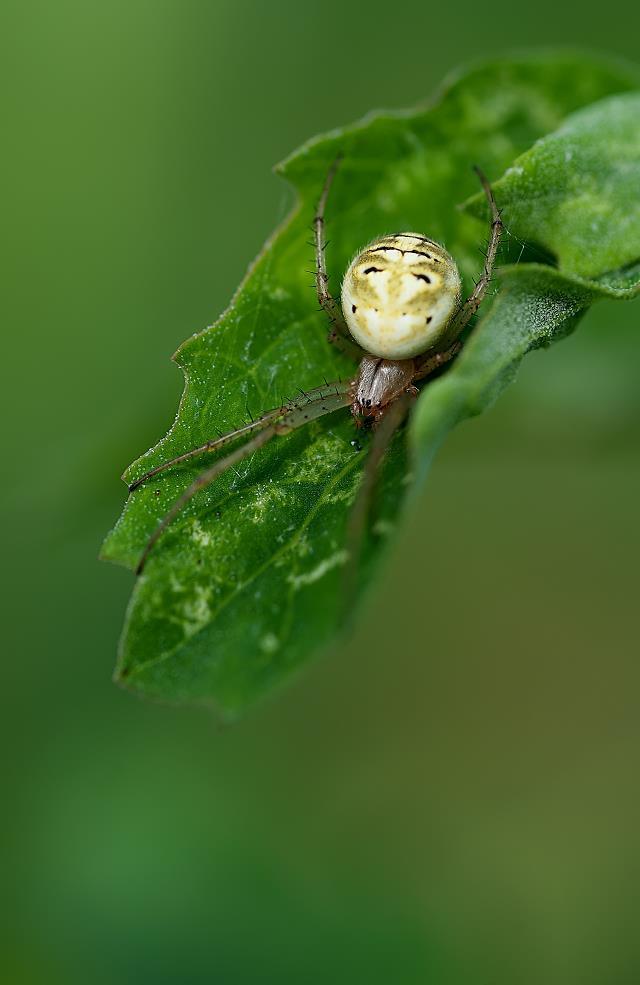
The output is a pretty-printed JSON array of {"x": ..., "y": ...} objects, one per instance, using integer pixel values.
[{"x": 400, "y": 317}]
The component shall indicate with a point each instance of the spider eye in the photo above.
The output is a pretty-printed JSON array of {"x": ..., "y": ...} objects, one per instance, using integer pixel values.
[{"x": 406, "y": 311}]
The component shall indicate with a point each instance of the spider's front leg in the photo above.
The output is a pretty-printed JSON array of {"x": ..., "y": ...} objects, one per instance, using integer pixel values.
[
  {"x": 280, "y": 421},
  {"x": 339, "y": 334},
  {"x": 386, "y": 425}
]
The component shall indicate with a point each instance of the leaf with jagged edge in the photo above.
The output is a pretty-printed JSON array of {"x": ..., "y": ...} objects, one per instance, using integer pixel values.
[
  {"x": 577, "y": 190},
  {"x": 536, "y": 306},
  {"x": 245, "y": 585}
]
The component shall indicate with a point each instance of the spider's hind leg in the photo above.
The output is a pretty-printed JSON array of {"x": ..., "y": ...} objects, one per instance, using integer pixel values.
[
  {"x": 339, "y": 334},
  {"x": 473, "y": 302},
  {"x": 431, "y": 362}
]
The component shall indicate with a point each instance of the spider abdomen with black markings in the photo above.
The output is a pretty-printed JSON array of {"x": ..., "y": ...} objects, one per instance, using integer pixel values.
[{"x": 399, "y": 295}]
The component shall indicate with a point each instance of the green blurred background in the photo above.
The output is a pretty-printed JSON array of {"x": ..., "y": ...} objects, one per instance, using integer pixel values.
[{"x": 453, "y": 796}]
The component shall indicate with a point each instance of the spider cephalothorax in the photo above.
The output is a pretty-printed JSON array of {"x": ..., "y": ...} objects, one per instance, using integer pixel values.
[
  {"x": 378, "y": 384},
  {"x": 400, "y": 318}
]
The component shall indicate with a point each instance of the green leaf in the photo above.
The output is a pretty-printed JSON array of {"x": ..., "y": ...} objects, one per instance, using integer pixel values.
[
  {"x": 536, "y": 306},
  {"x": 245, "y": 585},
  {"x": 577, "y": 191}
]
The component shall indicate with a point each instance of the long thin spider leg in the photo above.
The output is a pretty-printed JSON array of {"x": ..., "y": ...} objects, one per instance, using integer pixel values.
[
  {"x": 360, "y": 511},
  {"x": 428, "y": 364},
  {"x": 473, "y": 302},
  {"x": 339, "y": 334},
  {"x": 215, "y": 444},
  {"x": 297, "y": 416}
]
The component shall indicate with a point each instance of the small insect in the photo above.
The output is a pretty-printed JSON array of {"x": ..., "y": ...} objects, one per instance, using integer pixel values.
[{"x": 400, "y": 317}]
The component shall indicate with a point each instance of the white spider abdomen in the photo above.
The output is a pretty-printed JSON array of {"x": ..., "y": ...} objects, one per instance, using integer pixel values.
[{"x": 399, "y": 294}]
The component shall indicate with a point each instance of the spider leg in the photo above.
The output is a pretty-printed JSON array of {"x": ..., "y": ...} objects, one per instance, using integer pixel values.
[
  {"x": 429, "y": 363},
  {"x": 214, "y": 444},
  {"x": 339, "y": 334},
  {"x": 383, "y": 435},
  {"x": 473, "y": 302},
  {"x": 259, "y": 424},
  {"x": 316, "y": 403}
]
